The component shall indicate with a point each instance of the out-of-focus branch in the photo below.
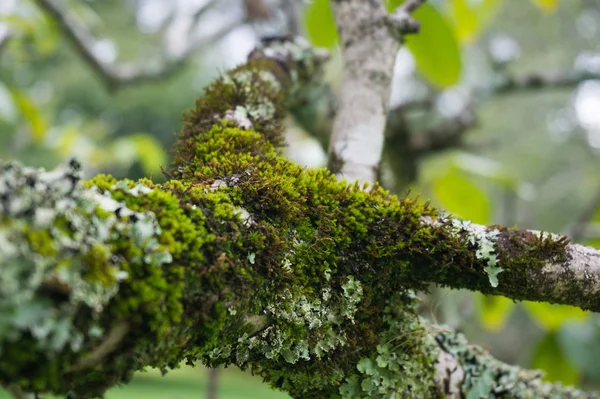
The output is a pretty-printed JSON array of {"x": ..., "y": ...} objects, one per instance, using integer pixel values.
[
  {"x": 291, "y": 9},
  {"x": 401, "y": 21},
  {"x": 213, "y": 381},
  {"x": 447, "y": 134},
  {"x": 118, "y": 75},
  {"x": 369, "y": 39},
  {"x": 18, "y": 393},
  {"x": 540, "y": 80},
  {"x": 450, "y": 134},
  {"x": 5, "y": 38},
  {"x": 257, "y": 10}
]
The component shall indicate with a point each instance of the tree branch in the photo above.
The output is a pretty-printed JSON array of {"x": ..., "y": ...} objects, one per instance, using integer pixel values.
[
  {"x": 116, "y": 76},
  {"x": 244, "y": 258},
  {"x": 540, "y": 80},
  {"x": 369, "y": 51},
  {"x": 519, "y": 264},
  {"x": 5, "y": 38}
]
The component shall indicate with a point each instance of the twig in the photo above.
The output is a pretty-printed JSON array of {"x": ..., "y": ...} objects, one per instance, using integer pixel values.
[
  {"x": 5, "y": 38},
  {"x": 536, "y": 81},
  {"x": 401, "y": 22},
  {"x": 117, "y": 75},
  {"x": 448, "y": 134},
  {"x": 106, "y": 347}
]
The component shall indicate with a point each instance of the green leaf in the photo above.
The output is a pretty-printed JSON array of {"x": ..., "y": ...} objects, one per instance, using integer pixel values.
[
  {"x": 18, "y": 23},
  {"x": 550, "y": 357},
  {"x": 45, "y": 35},
  {"x": 551, "y": 317},
  {"x": 319, "y": 24},
  {"x": 461, "y": 197},
  {"x": 471, "y": 17},
  {"x": 33, "y": 116},
  {"x": 546, "y": 5},
  {"x": 493, "y": 311},
  {"x": 476, "y": 165},
  {"x": 435, "y": 48}
]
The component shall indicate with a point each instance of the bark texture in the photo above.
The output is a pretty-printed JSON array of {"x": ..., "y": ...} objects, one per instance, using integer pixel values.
[{"x": 369, "y": 52}]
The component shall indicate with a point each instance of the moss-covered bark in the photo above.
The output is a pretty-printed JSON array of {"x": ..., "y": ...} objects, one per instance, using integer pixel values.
[{"x": 242, "y": 258}]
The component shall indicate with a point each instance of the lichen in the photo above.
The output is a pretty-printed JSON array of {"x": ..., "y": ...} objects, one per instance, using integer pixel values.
[
  {"x": 484, "y": 240},
  {"x": 55, "y": 258},
  {"x": 486, "y": 377}
]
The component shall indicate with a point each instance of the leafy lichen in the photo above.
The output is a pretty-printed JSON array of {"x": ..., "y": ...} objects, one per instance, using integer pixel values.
[{"x": 486, "y": 377}]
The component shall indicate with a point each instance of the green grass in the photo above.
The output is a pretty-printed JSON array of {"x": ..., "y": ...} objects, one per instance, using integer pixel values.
[{"x": 189, "y": 383}]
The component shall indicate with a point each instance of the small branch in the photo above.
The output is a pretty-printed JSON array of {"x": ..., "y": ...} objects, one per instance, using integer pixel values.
[
  {"x": 401, "y": 22},
  {"x": 257, "y": 10},
  {"x": 448, "y": 134},
  {"x": 519, "y": 264},
  {"x": 5, "y": 39},
  {"x": 592, "y": 231},
  {"x": 292, "y": 15},
  {"x": 110, "y": 343},
  {"x": 115, "y": 76},
  {"x": 537, "y": 81}
]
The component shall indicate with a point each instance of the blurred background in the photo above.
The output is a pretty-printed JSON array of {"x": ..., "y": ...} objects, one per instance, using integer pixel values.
[{"x": 495, "y": 117}]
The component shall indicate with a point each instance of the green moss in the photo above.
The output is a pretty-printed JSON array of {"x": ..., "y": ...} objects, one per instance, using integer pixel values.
[{"x": 40, "y": 241}]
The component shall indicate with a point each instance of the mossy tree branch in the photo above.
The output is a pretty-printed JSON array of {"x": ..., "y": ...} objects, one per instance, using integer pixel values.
[{"x": 245, "y": 258}]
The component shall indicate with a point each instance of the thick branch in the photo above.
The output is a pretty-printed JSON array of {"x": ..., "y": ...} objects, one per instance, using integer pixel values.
[
  {"x": 117, "y": 75},
  {"x": 245, "y": 258}
]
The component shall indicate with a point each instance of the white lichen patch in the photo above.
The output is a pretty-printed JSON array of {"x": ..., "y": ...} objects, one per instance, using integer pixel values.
[
  {"x": 320, "y": 317},
  {"x": 239, "y": 116},
  {"x": 263, "y": 111},
  {"x": 244, "y": 215}
]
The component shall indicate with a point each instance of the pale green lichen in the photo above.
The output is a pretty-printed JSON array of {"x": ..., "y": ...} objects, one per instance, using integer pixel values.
[
  {"x": 486, "y": 377},
  {"x": 52, "y": 214},
  {"x": 401, "y": 365},
  {"x": 484, "y": 239},
  {"x": 320, "y": 318}
]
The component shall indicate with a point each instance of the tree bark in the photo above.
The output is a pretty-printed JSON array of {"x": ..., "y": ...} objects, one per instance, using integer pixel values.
[{"x": 245, "y": 258}]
